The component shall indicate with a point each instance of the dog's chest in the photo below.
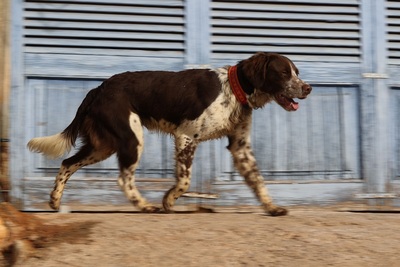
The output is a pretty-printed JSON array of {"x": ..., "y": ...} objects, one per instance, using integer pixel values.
[{"x": 215, "y": 121}]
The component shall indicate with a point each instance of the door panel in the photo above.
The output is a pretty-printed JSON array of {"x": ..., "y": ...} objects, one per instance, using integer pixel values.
[{"x": 319, "y": 141}]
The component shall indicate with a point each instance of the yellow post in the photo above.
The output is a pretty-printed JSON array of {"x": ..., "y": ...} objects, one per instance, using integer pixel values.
[{"x": 4, "y": 97}]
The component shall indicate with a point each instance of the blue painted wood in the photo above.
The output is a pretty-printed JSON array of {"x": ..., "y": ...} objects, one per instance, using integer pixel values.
[
  {"x": 291, "y": 159},
  {"x": 197, "y": 26},
  {"x": 90, "y": 66},
  {"x": 62, "y": 28},
  {"x": 54, "y": 106},
  {"x": 375, "y": 100},
  {"x": 319, "y": 142},
  {"x": 395, "y": 133},
  {"x": 236, "y": 29},
  {"x": 394, "y": 77},
  {"x": 314, "y": 142},
  {"x": 106, "y": 194},
  {"x": 17, "y": 105}
]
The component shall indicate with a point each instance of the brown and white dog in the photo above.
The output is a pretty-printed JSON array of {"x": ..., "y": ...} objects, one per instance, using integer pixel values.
[{"x": 192, "y": 105}]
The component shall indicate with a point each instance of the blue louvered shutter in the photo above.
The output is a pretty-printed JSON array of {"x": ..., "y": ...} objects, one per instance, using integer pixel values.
[{"x": 304, "y": 30}]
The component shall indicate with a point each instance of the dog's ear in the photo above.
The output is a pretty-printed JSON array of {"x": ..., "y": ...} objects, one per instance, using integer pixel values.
[{"x": 255, "y": 69}]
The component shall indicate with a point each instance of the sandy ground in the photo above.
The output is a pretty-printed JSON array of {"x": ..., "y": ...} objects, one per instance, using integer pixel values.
[{"x": 306, "y": 237}]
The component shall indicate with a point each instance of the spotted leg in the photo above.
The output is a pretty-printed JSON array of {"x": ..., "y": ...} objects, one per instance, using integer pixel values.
[
  {"x": 245, "y": 163},
  {"x": 129, "y": 153},
  {"x": 85, "y": 156},
  {"x": 184, "y": 153}
]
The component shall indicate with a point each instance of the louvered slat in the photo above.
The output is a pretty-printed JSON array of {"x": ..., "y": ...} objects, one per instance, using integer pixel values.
[
  {"x": 105, "y": 27},
  {"x": 88, "y": 7},
  {"x": 304, "y": 30},
  {"x": 393, "y": 29}
]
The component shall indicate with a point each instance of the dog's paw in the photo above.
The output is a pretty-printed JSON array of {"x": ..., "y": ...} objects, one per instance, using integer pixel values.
[
  {"x": 278, "y": 211},
  {"x": 168, "y": 201},
  {"x": 55, "y": 205},
  {"x": 151, "y": 209},
  {"x": 167, "y": 207}
]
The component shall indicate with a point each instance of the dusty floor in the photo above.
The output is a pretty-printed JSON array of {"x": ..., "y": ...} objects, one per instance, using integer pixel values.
[{"x": 306, "y": 237}]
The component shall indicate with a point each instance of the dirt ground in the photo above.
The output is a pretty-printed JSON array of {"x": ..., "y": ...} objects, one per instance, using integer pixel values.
[{"x": 311, "y": 236}]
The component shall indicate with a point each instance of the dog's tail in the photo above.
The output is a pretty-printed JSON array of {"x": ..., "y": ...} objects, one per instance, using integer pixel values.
[{"x": 55, "y": 146}]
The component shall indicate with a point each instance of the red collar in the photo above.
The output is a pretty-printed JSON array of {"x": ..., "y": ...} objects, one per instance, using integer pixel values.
[{"x": 235, "y": 85}]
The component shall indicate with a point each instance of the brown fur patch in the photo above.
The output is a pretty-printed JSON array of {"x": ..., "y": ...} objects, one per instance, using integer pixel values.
[{"x": 24, "y": 235}]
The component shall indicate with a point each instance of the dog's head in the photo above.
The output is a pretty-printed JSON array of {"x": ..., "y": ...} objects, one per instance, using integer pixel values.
[{"x": 276, "y": 76}]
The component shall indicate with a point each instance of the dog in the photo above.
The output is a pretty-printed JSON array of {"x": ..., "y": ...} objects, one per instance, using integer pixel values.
[{"x": 193, "y": 106}]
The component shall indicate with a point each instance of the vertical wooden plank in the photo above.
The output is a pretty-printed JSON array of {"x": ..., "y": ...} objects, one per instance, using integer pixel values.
[
  {"x": 224, "y": 166},
  {"x": 208, "y": 165},
  {"x": 281, "y": 137},
  {"x": 4, "y": 97},
  {"x": 158, "y": 156},
  {"x": 197, "y": 56},
  {"x": 17, "y": 105},
  {"x": 331, "y": 131},
  {"x": 396, "y": 132},
  {"x": 374, "y": 99},
  {"x": 315, "y": 120},
  {"x": 197, "y": 32},
  {"x": 264, "y": 138},
  {"x": 351, "y": 131},
  {"x": 298, "y": 159}
]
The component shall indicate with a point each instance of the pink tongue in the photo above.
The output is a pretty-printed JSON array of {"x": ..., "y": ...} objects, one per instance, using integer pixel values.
[{"x": 294, "y": 105}]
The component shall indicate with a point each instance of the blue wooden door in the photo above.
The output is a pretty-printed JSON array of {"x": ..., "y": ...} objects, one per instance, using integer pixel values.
[
  {"x": 70, "y": 46},
  {"x": 319, "y": 141}
]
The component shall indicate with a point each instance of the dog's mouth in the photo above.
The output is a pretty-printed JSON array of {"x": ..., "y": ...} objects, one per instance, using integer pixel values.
[{"x": 286, "y": 102}]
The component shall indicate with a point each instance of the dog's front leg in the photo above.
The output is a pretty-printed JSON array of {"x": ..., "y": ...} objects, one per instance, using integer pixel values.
[
  {"x": 245, "y": 163},
  {"x": 184, "y": 153}
]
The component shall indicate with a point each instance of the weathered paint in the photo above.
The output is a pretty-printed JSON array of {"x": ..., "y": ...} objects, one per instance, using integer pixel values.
[
  {"x": 340, "y": 133},
  {"x": 374, "y": 100}
]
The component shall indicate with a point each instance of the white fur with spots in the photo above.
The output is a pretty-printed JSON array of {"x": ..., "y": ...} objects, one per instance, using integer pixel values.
[
  {"x": 65, "y": 173},
  {"x": 245, "y": 163},
  {"x": 293, "y": 87}
]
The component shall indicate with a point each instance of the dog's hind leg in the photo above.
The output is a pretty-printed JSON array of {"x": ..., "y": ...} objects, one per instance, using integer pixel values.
[
  {"x": 129, "y": 153},
  {"x": 85, "y": 156},
  {"x": 184, "y": 153}
]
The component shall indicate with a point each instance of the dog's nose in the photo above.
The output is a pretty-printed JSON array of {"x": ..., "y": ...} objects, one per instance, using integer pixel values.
[{"x": 306, "y": 88}]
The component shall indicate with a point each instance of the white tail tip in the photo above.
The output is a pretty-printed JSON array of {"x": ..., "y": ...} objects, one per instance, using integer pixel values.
[{"x": 53, "y": 146}]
